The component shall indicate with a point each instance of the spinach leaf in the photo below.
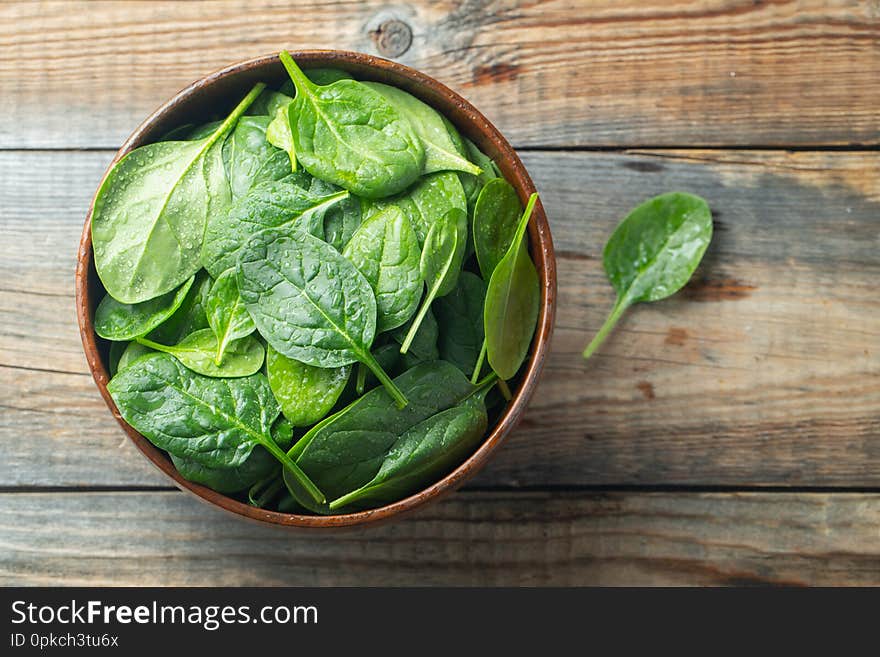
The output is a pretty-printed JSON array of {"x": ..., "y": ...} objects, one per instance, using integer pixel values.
[
  {"x": 278, "y": 134},
  {"x": 133, "y": 351},
  {"x": 115, "y": 354},
  {"x": 487, "y": 164},
  {"x": 440, "y": 264},
  {"x": 249, "y": 159},
  {"x": 342, "y": 219},
  {"x": 189, "y": 132},
  {"x": 309, "y": 302},
  {"x": 268, "y": 102},
  {"x": 282, "y": 432},
  {"x": 198, "y": 352},
  {"x": 227, "y": 316},
  {"x": 424, "y": 345},
  {"x": 150, "y": 212},
  {"x": 653, "y": 252},
  {"x": 426, "y": 201},
  {"x": 386, "y": 251},
  {"x": 350, "y": 135},
  {"x": 346, "y": 450},
  {"x": 512, "y": 303},
  {"x": 440, "y": 151},
  {"x": 189, "y": 317},
  {"x": 258, "y": 465},
  {"x": 280, "y": 204},
  {"x": 460, "y": 316},
  {"x": 126, "y": 321},
  {"x": 306, "y": 393},
  {"x": 214, "y": 422},
  {"x": 496, "y": 215},
  {"x": 423, "y": 453}
]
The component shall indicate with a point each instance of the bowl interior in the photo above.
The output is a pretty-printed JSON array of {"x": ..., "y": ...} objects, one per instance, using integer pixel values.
[{"x": 212, "y": 97}]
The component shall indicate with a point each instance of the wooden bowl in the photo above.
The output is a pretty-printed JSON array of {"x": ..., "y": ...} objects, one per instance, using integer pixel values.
[{"x": 217, "y": 93}]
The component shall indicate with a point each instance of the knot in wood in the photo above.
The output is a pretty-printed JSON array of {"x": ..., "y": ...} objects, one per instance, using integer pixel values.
[{"x": 393, "y": 38}]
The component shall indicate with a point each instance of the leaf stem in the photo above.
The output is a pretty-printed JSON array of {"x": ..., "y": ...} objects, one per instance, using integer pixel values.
[
  {"x": 313, "y": 491},
  {"x": 417, "y": 322},
  {"x": 240, "y": 109},
  {"x": 616, "y": 312},
  {"x": 295, "y": 72},
  {"x": 480, "y": 360},
  {"x": 392, "y": 389},
  {"x": 361, "y": 379},
  {"x": 505, "y": 389}
]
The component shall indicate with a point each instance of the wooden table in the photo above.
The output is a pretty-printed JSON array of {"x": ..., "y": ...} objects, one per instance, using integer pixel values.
[{"x": 729, "y": 435}]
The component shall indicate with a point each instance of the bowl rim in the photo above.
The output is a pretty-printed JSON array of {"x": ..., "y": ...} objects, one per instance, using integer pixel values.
[{"x": 475, "y": 126}]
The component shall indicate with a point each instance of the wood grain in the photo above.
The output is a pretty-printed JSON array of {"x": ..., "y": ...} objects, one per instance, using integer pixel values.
[
  {"x": 763, "y": 371},
  {"x": 553, "y": 73},
  {"x": 134, "y": 539}
]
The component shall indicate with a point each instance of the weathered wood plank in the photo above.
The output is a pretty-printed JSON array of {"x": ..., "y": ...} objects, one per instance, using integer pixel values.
[
  {"x": 612, "y": 72},
  {"x": 136, "y": 539},
  {"x": 763, "y": 371}
]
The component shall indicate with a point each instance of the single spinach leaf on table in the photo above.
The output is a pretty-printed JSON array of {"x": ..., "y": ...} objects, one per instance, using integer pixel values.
[
  {"x": 653, "y": 252},
  {"x": 309, "y": 302},
  {"x": 214, "y": 422},
  {"x": 189, "y": 317},
  {"x": 460, "y": 316},
  {"x": 249, "y": 158},
  {"x": 127, "y": 321},
  {"x": 432, "y": 197},
  {"x": 512, "y": 304},
  {"x": 350, "y": 135},
  {"x": 386, "y": 251},
  {"x": 440, "y": 265},
  {"x": 346, "y": 450},
  {"x": 198, "y": 352},
  {"x": 306, "y": 393},
  {"x": 150, "y": 212},
  {"x": 227, "y": 316},
  {"x": 279, "y": 204},
  {"x": 440, "y": 151},
  {"x": 423, "y": 453}
]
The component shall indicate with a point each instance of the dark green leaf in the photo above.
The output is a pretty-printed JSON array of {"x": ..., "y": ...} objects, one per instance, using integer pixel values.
[
  {"x": 460, "y": 316},
  {"x": 249, "y": 159},
  {"x": 306, "y": 393},
  {"x": 133, "y": 351},
  {"x": 190, "y": 317},
  {"x": 496, "y": 215},
  {"x": 127, "y": 321}
]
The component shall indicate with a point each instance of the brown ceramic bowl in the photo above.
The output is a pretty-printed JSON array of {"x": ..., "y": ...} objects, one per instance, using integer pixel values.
[{"x": 216, "y": 94}]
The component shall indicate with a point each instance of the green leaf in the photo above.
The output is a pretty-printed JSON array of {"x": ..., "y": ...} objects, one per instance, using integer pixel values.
[
  {"x": 386, "y": 251},
  {"x": 309, "y": 302},
  {"x": 249, "y": 158},
  {"x": 346, "y": 450},
  {"x": 227, "y": 316},
  {"x": 127, "y": 321},
  {"x": 513, "y": 298},
  {"x": 189, "y": 317},
  {"x": 150, "y": 213},
  {"x": 460, "y": 316},
  {"x": 279, "y": 204},
  {"x": 306, "y": 393},
  {"x": 133, "y": 351},
  {"x": 214, "y": 422},
  {"x": 653, "y": 252},
  {"x": 424, "y": 345},
  {"x": 440, "y": 264},
  {"x": 440, "y": 151},
  {"x": 278, "y": 134},
  {"x": 496, "y": 215},
  {"x": 198, "y": 352},
  {"x": 423, "y": 454},
  {"x": 350, "y": 135},
  {"x": 222, "y": 479}
]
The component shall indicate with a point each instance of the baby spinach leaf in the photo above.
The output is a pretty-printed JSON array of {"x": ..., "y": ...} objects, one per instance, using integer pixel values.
[
  {"x": 386, "y": 251},
  {"x": 306, "y": 393},
  {"x": 268, "y": 102},
  {"x": 126, "y": 321},
  {"x": 227, "y": 316},
  {"x": 280, "y": 204},
  {"x": 440, "y": 151},
  {"x": 150, "y": 213},
  {"x": 278, "y": 134},
  {"x": 198, "y": 352},
  {"x": 309, "y": 302},
  {"x": 346, "y": 450},
  {"x": 460, "y": 316},
  {"x": 512, "y": 303},
  {"x": 258, "y": 465},
  {"x": 487, "y": 164},
  {"x": 133, "y": 351},
  {"x": 423, "y": 453},
  {"x": 440, "y": 264},
  {"x": 249, "y": 159},
  {"x": 653, "y": 252},
  {"x": 189, "y": 317},
  {"x": 426, "y": 201},
  {"x": 350, "y": 135},
  {"x": 214, "y": 422},
  {"x": 342, "y": 219},
  {"x": 324, "y": 76},
  {"x": 496, "y": 215}
]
